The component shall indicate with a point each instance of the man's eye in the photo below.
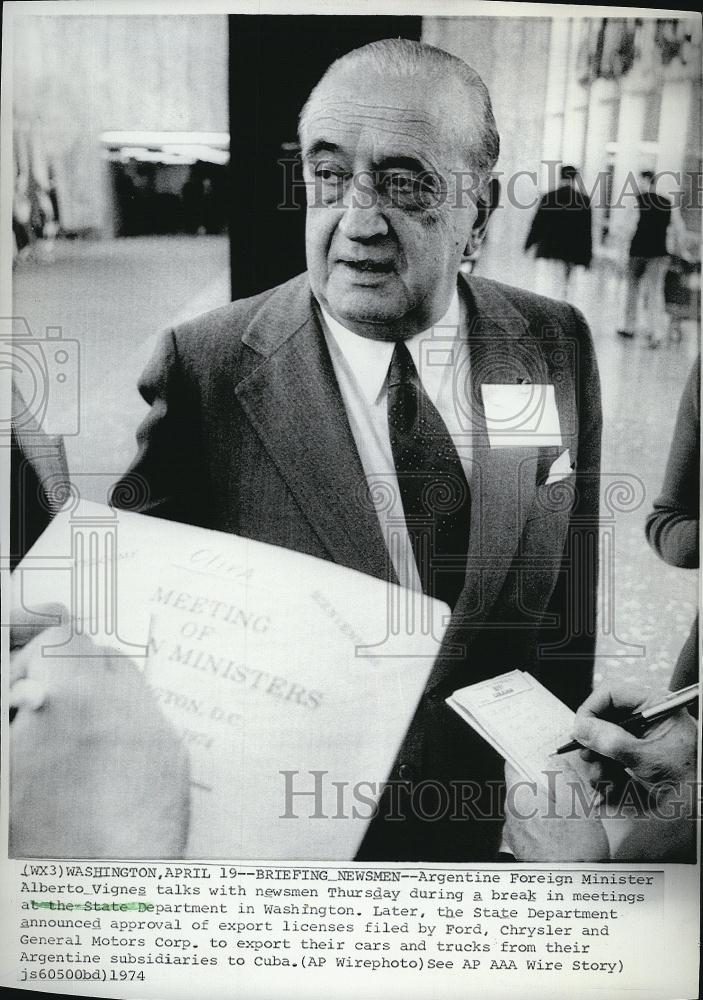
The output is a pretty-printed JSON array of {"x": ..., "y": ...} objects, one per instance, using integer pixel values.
[
  {"x": 410, "y": 190},
  {"x": 329, "y": 175},
  {"x": 329, "y": 181},
  {"x": 400, "y": 184}
]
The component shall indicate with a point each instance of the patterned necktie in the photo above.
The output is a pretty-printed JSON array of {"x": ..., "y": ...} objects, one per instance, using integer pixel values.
[{"x": 433, "y": 487}]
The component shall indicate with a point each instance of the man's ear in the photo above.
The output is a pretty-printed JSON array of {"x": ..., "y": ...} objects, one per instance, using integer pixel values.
[{"x": 485, "y": 206}]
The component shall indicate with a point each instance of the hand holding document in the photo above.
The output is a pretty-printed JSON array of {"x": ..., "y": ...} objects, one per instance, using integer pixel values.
[
  {"x": 128, "y": 796},
  {"x": 290, "y": 680}
]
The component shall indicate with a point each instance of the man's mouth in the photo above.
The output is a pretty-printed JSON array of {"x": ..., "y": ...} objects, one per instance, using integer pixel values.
[{"x": 369, "y": 266}]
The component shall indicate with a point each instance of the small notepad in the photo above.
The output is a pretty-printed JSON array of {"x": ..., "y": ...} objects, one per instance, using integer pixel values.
[
  {"x": 522, "y": 720},
  {"x": 526, "y": 723}
]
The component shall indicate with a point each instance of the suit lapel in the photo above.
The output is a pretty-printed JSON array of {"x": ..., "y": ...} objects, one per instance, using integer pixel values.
[
  {"x": 293, "y": 402},
  {"x": 503, "y": 479}
]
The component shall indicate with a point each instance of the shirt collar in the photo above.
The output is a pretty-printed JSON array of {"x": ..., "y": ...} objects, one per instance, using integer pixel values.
[{"x": 369, "y": 359}]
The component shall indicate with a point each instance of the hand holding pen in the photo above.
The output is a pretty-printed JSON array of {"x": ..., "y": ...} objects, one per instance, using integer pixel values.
[
  {"x": 646, "y": 716},
  {"x": 655, "y": 740}
]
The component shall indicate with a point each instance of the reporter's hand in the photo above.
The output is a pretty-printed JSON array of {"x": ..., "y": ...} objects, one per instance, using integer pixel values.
[
  {"x": 657, "y": 822},
  {"x": 96, "y": 770},
  {"x": 25, "y": 624},
  {"x": 538, "y": 829},
  {"x": 665, "y": 753}
]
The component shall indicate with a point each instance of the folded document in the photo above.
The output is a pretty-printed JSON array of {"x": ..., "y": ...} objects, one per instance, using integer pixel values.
[{"x": 291, "y": 680}]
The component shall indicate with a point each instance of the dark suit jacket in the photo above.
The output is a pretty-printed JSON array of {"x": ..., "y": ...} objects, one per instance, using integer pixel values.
[{"x": 248, "y": 433}]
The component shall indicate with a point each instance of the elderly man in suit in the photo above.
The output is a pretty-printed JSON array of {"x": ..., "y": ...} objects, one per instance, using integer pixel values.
[{"x": 354, "y": 413}]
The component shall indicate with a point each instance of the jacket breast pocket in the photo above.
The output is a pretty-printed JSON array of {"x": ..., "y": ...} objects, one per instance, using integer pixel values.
[
  {"x": 553, "y": 503},
  {"x": 554, "y": 500},
  {"x": 544, "y": 543}
]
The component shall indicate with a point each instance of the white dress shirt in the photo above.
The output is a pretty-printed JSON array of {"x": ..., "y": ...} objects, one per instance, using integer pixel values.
[{"x": 361, "y": 365}]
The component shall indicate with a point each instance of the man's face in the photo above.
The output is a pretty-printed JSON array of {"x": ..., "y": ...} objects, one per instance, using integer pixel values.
[{"x": 391, "y": 204}]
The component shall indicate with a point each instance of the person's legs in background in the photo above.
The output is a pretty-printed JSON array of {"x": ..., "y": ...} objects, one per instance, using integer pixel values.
[
  {"x": 653, "y": 321},
  {"x": 567, "y": 281},
  {"x": 547, "y": 277},
  {"x": 553, "y": 278},
  {"x": 635, "y": 269}
]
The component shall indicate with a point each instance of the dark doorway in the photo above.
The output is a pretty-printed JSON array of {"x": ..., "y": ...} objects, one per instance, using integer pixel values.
[
  {"x": 275, "y": 61},
  {"x": 156, "y": 198}
]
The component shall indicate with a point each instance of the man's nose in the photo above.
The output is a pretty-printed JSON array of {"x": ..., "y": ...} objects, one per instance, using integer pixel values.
[{"x": 362, "y": 218}]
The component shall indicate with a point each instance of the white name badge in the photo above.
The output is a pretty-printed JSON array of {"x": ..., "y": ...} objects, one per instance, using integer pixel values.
[{"x": 521, "y": 415}]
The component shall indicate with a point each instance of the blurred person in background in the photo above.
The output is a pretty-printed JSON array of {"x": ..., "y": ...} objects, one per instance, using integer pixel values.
[
  {"x": 561, "y": 235},
  {"x": 672, "y": 526},
  {"x": 21, "y": 204},
  {"x": 648, "y": 261},
  {"x": 682, "y": 277}
]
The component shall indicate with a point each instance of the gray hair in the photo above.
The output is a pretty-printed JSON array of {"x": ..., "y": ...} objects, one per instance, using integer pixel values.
[{"x": 401, "y": 57}]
